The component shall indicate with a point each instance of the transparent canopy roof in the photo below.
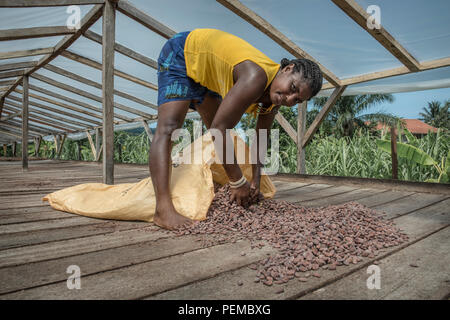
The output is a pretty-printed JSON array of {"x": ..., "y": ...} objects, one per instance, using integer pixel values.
[{"x": 319, "y": 27}]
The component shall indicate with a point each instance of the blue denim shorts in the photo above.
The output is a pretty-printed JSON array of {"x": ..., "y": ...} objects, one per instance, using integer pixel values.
[{"x": 173, "y": 82}]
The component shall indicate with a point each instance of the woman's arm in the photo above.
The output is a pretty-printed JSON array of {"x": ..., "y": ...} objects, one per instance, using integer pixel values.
[{"x": 250, "y": 81}]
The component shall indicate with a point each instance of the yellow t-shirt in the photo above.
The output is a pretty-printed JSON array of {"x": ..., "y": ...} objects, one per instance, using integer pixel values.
[{"x": 211, "y": 55}]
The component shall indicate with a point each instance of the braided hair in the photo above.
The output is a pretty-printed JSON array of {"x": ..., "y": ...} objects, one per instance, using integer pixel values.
[{"x": 309, "y": 70}]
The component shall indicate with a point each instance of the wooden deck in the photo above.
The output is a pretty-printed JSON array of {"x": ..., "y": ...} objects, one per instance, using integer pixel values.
[{"x": 136, "y": 260}]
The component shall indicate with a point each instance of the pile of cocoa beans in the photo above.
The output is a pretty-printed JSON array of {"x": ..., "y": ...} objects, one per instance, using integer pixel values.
[{"x": 307, "y": 239}]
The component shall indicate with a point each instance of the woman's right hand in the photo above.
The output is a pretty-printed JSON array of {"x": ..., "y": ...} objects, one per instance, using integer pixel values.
[{"x": 241, "y": 195}]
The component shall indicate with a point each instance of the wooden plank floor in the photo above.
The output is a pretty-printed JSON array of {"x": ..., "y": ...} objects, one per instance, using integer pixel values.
[{"x": 137, "y": 260}]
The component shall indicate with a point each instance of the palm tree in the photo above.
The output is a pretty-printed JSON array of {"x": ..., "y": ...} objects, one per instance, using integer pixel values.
[
  {"x": 436, "y": 115},
  {"x": 346, "y": 115}
]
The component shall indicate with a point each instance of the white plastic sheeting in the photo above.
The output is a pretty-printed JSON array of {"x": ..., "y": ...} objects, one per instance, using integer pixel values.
[{"x": 317, "y": 26}]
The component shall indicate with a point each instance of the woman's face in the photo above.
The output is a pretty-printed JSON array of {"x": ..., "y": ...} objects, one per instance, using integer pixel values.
[{"x": 288, "y": 89}]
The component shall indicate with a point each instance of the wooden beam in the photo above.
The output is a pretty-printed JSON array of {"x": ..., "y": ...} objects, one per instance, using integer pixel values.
[
  {"x": 360, "y": 16},
  {"x": 25, "y": 53},
  {"x": 43, "y": 130},
  {"x": 322, "y": 115},
  {"x": 94, "y": 64},
  {"x": 5, "y": 150},
  {"x": 77, "y": 102},
  {"x": 45, "y": 3},
  {"x": 88, "y": 20},
  {"x": 109, "y": 35},
  {"x": 14, "y": 148},
  {"x": 97, "y": 85},
  {"x": 124, "y": 50},
  {"x": 34, "y": 127},
  {"x": 10, "y": 74},
  {"x": 48, "y": 119},
  {"x": 426, "y": 65},
  {"x": 36, "y": 32},
  {"x": 91, "y": 143},
  {"x": 37, "y": 145},
  {"x": 301, "y": 129},
  {"x": 18, "y": 65},
  {"x": 57, "y": 112},
  {"x": 18, "y": 125},
  {"x": 25, "y": 123},
  {"x": 286, "y": 126},
  {"x": 66, "y": 106},
  {"x": 90, "y": 95},
  {"x": 141, "y": 17},
  {"x": 6, "y": 82},
  {"x": 273, "y": 33},
  {"x": 61, "y": 145},
  {"x": 97, "y": 142},
  {"x": 11, "y": 116},
  {"x": 147, "y": 130},
  {"x": 8, "y": 133}
]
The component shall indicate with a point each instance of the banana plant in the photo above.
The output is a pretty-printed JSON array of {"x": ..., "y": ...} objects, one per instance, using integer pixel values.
[{"x": 419, "y": 156}]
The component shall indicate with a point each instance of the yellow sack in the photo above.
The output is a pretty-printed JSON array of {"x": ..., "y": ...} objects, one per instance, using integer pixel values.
[{"x": 191, "y": 188}]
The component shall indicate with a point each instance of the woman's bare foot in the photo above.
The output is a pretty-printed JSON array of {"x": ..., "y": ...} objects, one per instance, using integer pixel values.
[{"x": 170, "y": 219}]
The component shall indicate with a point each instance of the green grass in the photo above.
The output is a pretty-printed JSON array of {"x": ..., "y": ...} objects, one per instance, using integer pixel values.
[{"x": 325, "y": 155}]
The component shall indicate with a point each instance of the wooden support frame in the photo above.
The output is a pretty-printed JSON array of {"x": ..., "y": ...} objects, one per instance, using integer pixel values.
[
  {"x": 94, "y": 84},
  {"x": 301, "y": 129},
  {"x": 322, "y": 114},
  {"x": 26, "y": 53},
  {"x": 58, "y": 111},
  {"x": 45, "y": 3},
  {"x": 59, "y": 143},
  {"x": 97, "y": 65},
  {"x": 77, "y": 102},
  {"x": 25, "y": 102},
  {"x": 91, "y": 143},
  {"x": 37, "y": 145},
  {"x": 123, "y": 50},
  {"x": 141, "y": 17},
  {"x": 66, "y": 106},
  {"x": 88, "y": 20},
  {"x": 11, "y": 74},
  {"x": 147, "y": 130},
  {"x": 89, "y": 95},
  {"x": 360, "y": 16},
  {"x": 11, "y": 116},
  {"x": 14, "y": 148},
  {"x": 98, "y": 144},
  {"x": 286, "y": 126},
  {"x": 39, "y": 129},
  {"x": 48, "y": 121},
  {"x": 269, "y": 30},
  {"x": 36, "y": 32},
  {"x": 109, "y": 34},
  {"x": 53, "y": 115},
  {"x": 31, "y": 128},
  {"x": 17, "y": 65}
]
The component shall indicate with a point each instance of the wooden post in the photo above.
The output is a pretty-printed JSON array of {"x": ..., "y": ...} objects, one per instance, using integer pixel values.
[
  {"x": 148, "y": 131},
  {"x": 5, "y": 149},
  {"x": 78, "y": 150},
  {"x": 25, "y": 123},
  {"x": 97, "y": 144},
  {"x": 56, "y": 151},
  {"x": 394, "y": 153},
  {"x": 301, "y": 128},
  {"x": 61, "y": 144},
  {"x": 14, "y": 147},
  {"x": 108, "y": 29},
  {"x": 37, "y": 145}
]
